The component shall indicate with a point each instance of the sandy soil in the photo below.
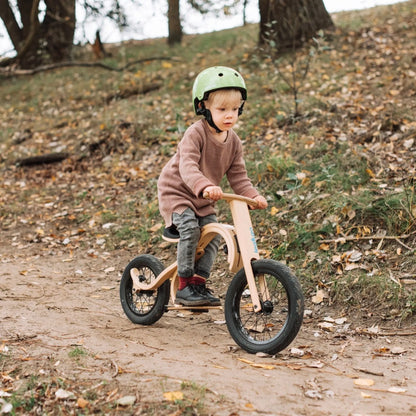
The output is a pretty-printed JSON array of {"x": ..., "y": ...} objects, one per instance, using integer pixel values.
[{"x": 53, "y": 302}]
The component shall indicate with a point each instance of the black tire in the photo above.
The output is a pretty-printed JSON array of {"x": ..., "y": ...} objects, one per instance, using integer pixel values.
[
  {"x": 276, "y": 326},
  {"x": 144, "y": 307}
]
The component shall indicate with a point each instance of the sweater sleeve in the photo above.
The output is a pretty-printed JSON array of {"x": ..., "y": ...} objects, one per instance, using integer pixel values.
[{"x": 189, "y": 151}]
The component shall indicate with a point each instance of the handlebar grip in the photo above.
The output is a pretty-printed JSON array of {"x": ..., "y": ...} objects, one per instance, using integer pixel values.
[{"x": 230, "y": 197}]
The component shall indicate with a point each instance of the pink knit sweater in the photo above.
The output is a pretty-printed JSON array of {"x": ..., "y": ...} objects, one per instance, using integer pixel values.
[{"x": 201, "y": 161}]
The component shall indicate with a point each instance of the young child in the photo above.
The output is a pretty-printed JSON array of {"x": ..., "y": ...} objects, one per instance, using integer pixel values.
[{"x": 208, "y": 150}]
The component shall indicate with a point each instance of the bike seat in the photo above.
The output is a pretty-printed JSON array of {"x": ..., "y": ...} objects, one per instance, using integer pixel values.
[{"x": 171, "y": 234}]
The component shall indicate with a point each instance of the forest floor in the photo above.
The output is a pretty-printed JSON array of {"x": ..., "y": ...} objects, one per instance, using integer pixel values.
[{"x": 68, "y": 348}]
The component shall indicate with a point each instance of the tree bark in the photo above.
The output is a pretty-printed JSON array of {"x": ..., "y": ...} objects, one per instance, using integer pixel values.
[
  {"x": 12, "y": 27},
  {"x": 58, "y": 28},
  {"x": 30, "y": 38},
  {"x": 290, "y": 23},
  {"x": 36, "y": 42},
  {"x": 174, "y": 23}
]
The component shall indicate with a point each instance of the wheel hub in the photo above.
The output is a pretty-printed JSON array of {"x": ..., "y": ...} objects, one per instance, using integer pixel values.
[{"x": 267, "y": 307}]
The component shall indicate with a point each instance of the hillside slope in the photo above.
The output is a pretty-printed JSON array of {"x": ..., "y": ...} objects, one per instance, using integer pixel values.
[{"x": 339, "y": 178}]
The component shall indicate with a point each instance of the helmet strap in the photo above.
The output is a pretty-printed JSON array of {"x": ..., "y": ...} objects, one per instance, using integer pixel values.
[
  {"x": 240, "y": 110},
  {"x": 208, "y": 117},
  {"x": 202, "y": 110}
]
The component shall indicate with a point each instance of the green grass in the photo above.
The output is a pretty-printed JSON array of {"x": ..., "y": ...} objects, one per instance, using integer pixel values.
[
  {"x": 364, "y": 292},
  {"x": 77, "y": 352}
]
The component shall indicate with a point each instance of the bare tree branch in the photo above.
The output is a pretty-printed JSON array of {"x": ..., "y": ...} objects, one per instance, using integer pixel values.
[{"x": 10, "y": 71}]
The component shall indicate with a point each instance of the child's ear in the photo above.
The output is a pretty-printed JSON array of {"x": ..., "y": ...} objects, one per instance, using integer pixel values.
[{"x": 200, "y": 109}]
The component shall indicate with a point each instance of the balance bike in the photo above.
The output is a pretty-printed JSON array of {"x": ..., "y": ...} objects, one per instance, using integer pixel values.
[{"x": 263, "y": 305}]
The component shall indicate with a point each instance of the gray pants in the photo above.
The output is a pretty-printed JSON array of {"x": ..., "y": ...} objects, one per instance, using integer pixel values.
[{"x": 189, "y": 227}]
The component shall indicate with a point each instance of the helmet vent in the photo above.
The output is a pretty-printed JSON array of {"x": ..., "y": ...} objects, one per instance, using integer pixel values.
[{"x": 220, "y": 74}]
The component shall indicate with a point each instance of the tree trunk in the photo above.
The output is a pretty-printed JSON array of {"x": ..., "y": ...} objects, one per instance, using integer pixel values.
[
  {"x": 289, "y": 23},
  {"x": 245, "y": 2},
  {"x": 174, "y": 22},
  {"x": 9, "y": 20},
  {"x": 58, "y": 28},
  {"x": 36, "y": 42}
]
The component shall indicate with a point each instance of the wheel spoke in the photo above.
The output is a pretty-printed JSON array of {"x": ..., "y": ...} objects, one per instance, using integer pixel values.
[
  {"x": 281, "y": 299},
  {"x": 143, "y": 306},
  {"x": 267, "y": 324}
]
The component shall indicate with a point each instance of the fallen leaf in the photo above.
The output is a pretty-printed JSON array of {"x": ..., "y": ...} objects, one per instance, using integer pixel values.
[
  {"x": 397, "y": 390},
  {"x": 82, "y": 403},
  {"x": 382, "y": 350},
  {"x": 394, "y": 92},
  {"x": 370, "y": 173},
  {"x": 313, "y": 394},
  {"x": 156, "y": 227},
  {"x": 6, "y": 407},
  {"x": 326, "y": 326},
  {"x": 373, "y": 329},
  {"x": 173, "y": 396},
  {"x": 398, "y": 350},
  {"x": 364, "y": 382},
  {"x": 296, "y": 352},
  {"x": 319, "y": 297},
  {"x": 274, "y": 211},
  {"x": 63, "y": 394},
  {"x": 126, "y": 400},
  {"x": 316, "y": 364},
  {"x": 354, "y": 256},
  {"x": 256, "y": 365}
]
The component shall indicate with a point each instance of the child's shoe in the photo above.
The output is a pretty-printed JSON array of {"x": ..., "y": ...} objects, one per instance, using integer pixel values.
[
  {"x": 204, "y": 291},
  {"x": 191, "y": 296}
]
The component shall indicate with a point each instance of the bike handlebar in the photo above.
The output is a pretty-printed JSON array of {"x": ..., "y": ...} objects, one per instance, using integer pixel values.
[{"x": 235, "y": 197}]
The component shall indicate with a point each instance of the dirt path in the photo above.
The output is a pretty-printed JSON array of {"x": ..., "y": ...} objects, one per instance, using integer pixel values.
[{"x": 53, "y": 303}]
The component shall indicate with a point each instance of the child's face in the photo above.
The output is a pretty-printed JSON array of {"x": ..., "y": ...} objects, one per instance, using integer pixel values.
[{"x": 224, "y": 106}]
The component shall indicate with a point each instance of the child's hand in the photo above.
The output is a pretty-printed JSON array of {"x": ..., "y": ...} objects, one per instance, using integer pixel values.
[
  {"x": 261, "y": 202},
  {"x": 213, "y": 192}
]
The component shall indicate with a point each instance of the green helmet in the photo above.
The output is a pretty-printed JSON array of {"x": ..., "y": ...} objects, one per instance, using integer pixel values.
[{"x": 216, "y": 78}]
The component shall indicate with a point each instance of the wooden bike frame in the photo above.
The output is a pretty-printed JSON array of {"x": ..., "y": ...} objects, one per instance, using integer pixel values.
[{"x": 242, "y": 250}]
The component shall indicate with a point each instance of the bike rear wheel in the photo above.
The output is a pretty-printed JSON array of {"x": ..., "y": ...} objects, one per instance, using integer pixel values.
[
  {"x": 277, "y": 324},
  {"x": 144, "y": 307}
]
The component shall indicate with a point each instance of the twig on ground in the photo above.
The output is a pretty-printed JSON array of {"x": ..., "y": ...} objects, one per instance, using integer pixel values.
[
  {"x": 116, "y": 369},
  {"x": 400, "y": 393},
  {"x": 373, "y": 373},
  {"x": 369, "y": 237}
]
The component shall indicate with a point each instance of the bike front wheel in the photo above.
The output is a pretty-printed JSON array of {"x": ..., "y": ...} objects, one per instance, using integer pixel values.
[
  {"x": 144, "y": 307},
  {"x": 277, "y": 324}
]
